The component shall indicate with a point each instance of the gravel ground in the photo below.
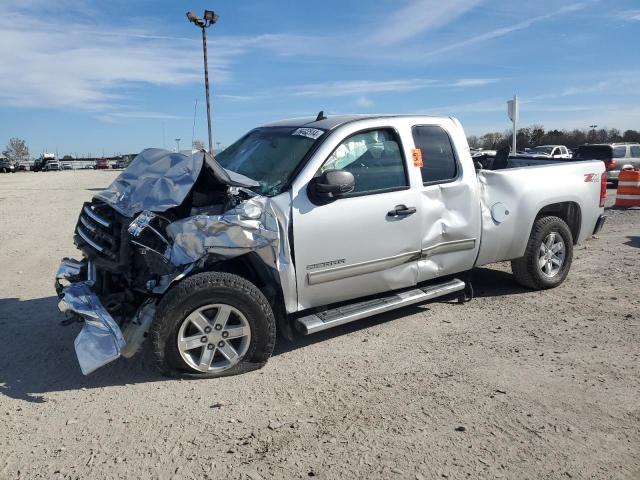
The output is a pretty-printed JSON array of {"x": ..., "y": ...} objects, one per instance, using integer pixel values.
[{"x": 515, "y": 384}]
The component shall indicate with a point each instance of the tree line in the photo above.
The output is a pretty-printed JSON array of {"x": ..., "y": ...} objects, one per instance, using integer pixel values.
[
  {"x": 16, "y": 151},
  {"x": 537, "y": 135}
]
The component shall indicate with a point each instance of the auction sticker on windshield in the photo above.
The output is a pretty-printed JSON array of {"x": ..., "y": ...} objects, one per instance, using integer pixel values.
[{"x": 313, "y": 133}]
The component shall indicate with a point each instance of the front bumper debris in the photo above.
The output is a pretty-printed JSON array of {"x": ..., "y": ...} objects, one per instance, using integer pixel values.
[{"x": 100, "y": 341}]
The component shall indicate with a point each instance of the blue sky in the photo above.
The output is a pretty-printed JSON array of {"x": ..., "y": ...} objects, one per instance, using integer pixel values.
[{"x": 80, "y": 77}]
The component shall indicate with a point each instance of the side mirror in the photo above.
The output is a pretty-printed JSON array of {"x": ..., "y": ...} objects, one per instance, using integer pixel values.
[{"x": 331, "y": 185}]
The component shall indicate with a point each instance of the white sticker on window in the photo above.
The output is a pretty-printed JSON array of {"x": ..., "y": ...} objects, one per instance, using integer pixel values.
[{"x": 313, "y": 133}]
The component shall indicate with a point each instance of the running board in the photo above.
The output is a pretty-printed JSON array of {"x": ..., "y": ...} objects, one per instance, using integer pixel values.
[{"x": 349, "y": 313}]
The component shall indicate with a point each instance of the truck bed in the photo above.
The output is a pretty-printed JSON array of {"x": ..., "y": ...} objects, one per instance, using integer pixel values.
[{"x": 512, "y": 198}]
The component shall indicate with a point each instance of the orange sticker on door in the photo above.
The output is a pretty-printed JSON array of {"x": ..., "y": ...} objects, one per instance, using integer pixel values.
[{"x": 417, "y": 158}]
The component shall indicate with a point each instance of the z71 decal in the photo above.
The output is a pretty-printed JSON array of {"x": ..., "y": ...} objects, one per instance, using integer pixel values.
[{"x": 591, "y": 177}]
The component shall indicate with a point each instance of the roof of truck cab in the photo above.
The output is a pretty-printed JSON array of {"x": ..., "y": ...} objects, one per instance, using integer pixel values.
[{"x": 333, "y": 121}]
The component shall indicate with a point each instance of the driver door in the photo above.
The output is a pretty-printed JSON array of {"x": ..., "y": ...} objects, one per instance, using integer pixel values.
[{"x": 358, "y": 245}]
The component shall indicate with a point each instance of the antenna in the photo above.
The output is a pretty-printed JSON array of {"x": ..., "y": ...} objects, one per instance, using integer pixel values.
[{"x": 321, "y": 116}]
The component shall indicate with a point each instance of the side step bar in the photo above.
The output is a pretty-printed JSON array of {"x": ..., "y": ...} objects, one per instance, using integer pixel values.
[{"x": 348, "y": 313}]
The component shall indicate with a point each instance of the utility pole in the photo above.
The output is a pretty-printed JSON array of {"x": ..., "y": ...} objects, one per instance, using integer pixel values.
[
  {"x": 514, "y": 111},
  {"x": 209, "y": 18}
]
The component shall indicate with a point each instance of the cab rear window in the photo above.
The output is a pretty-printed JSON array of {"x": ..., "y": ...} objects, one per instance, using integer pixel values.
[
  {"x": 439, "y": 161},
  {"x": 593, "y": 152}
]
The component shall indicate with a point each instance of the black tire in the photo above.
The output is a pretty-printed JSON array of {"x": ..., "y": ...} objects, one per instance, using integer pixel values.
[
  {"x": 204, "y": 289},
  {"x": 527, "y": 271}
]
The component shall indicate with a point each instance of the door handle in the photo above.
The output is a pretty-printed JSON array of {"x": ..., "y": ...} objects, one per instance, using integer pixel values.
[{"x": 401, "y": 211}]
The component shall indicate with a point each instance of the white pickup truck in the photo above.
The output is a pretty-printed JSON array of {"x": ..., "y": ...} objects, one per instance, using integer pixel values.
[
  {"x": 303, "y": 225},
  {"x": 551, "y": 151}
]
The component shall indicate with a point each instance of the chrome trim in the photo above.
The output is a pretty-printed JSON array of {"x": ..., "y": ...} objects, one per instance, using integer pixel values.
[
  {"x": 91, "y": 272},
  {"x": 69, "y": 268},
  {"x": 86, "y": 238},
  {"x": 349, "y": 313},
  {"x": 96, "y": 217},
  {"x": 87, "y": 224},
  {"x": 345, "y": 271},
  {"x": 448, "y": 247}
]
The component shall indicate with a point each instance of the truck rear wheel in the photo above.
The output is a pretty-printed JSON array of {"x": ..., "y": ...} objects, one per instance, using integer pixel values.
[
  {"x": 547, "y": 259},
  {"x": 212, "y": 325}
]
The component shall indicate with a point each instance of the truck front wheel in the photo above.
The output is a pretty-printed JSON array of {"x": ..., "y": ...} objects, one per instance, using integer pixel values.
[
  {"x": 547, "y": 259},
  {"x": 211, "y": 325}
]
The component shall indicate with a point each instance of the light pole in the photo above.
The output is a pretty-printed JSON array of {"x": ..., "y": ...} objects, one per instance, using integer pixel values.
[
  {"x": 177, "y": 145},
  {"x": 593, "y": 131},
  {"x": 209, "y": 18}
]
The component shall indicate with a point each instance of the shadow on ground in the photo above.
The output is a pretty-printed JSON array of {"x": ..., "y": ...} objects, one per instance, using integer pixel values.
[
  {"x": 38, "y": 355},
  {"x": 633, "y": 242}
]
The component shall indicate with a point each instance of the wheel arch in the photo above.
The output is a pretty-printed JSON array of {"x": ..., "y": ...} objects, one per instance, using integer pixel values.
[
  {"x": 568, "y": 211},
  {"x": 252, "y": 268}
]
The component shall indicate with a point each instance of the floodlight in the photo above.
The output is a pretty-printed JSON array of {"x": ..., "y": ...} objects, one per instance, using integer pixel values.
[
  {"x": 210, "y": 16},
  {"x": 193, "y": 18}
]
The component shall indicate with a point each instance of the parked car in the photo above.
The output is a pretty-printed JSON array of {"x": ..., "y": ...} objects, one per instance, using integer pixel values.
[
  {"x": 304, "y": 225},
  {"x": 6, "y": 166},
  {"x": 52, "y": 165},
  {"x": 102, "y": 165},
  {"x": 23, "y": 167},
  {"x": 616, "y": 156},
  {"x": 120, "y": 164},
  {"x": 67, "y": 166},
  {"x": 551, "y": 151}
]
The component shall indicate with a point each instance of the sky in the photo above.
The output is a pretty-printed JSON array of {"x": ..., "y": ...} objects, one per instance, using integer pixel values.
[{"x": 116, "y": 76}]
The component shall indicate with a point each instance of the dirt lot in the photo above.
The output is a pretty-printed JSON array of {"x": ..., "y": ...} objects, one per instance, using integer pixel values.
[{"x": 546, "y": 385}]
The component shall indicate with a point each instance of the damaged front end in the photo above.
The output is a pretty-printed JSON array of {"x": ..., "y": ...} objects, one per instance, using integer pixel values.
[{"x": 165, "y": 217}]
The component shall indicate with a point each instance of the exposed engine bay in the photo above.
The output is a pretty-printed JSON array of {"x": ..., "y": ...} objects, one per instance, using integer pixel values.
[{"x": 165, "y": 216}]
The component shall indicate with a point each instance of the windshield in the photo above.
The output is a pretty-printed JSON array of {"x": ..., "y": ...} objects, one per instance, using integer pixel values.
[
  {"x": 269, "y": 155},
  {"x": 545, "y": 150}
]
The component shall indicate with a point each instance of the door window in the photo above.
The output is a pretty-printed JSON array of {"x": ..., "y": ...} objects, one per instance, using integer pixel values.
[
  {"x": 439, "y": 161},
  {"x": 374, "y": 158},
  {"x": 635, "y": 152}
]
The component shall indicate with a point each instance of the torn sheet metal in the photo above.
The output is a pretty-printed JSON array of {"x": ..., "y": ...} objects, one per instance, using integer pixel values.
[
  {"x": 249, "y": 226},
  {"x": 256, "y": 225},
  {"x": 281, "y": 206},
  {"x": 69, "y": 270},
  {"x": 158, "y": 180},
  {"x": 100, "y": 340}
]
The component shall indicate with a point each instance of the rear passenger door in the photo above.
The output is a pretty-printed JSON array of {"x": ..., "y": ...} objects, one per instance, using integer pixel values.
[{"x": 449, "y": 205}]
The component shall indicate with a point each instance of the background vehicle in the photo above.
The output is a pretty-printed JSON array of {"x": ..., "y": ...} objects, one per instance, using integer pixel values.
[
  {"x": 67, "y": 166},
  {"x": 52, "y": 165},
  {"x": 40, "y": 164},
  {"x": 102, "y": 165},
  {"x": 616, "y": 156},
  {"x": 277, "y": 231},
  {"x": 6, "y": 166},
  {"x": 552, "y": 151}
]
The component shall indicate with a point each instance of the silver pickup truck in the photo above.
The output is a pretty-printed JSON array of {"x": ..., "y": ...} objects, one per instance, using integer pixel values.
[{"x": 303, "y": 225}]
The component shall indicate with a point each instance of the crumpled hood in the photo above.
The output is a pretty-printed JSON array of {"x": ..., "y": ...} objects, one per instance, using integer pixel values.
[{"x": 158, "y": 180}]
